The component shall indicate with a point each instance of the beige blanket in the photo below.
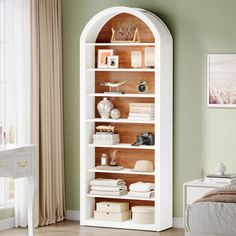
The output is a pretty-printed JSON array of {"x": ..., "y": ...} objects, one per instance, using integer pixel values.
[{"x": 225, "y": 194}]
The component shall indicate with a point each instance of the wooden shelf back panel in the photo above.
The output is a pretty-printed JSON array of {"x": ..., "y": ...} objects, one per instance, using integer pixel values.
[
  {"x": 131, "y": 202},
  {"x": 130, "y": 86},
  {"x": 122, "y": 104},
  {"x": 127, "y": 158},
  {"x": 128, "y": 133},
  {"x": 129, "y": 179},
  {"x": 124, "y": 54},
  {"x": 125, "y": 19}
]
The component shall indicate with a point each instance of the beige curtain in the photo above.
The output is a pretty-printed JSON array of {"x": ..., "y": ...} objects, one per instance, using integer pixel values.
[{"x": 47, "y": 107}]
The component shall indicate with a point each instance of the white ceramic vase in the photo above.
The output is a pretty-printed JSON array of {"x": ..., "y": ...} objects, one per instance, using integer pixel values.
[
  {"x": 220, "y": 169},
  {"x": 104, "y": 107}
]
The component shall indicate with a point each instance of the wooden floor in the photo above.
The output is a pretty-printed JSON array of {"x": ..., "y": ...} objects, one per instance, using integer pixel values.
[{"x": 70, "y": 228}]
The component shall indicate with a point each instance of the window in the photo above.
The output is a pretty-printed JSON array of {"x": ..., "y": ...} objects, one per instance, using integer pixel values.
[
  {"x": 7, "y": 192},
  {"x": 14, "y": 81},
  {"x": 7, "y": 188},
  {"x": 7, "y": 107}
]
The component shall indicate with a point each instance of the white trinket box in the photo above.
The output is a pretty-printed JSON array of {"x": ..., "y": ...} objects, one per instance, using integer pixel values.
[
  {"x": 112, "y": 216},
  {"x": 112, "y": 206}
]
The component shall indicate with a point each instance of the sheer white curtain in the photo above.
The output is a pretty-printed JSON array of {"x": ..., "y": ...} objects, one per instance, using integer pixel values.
[{"x": 15, "y": 89}]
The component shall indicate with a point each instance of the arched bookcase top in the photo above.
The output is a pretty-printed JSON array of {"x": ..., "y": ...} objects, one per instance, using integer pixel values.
[{"x": 151, "y": 28}]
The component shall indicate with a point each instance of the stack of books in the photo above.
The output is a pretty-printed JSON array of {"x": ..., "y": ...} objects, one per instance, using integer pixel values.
[
  {"x": 221, "y": 179},
  {"x": 141, "y": 111}
]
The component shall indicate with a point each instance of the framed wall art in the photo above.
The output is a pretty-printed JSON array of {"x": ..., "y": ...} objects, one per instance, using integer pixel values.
[{"x": 221, "y": 80}]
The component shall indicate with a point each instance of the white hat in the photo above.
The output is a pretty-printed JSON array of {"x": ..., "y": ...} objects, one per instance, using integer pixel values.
[{"x": 143, "y": 165}]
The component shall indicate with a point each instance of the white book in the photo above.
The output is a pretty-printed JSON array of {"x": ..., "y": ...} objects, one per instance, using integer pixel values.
[
  {"x": 220, "y": 180},
  {"x": 141, "y": 109},
  {"x": 225, "y": 176},
  {"x": 102, "y": 142},
  {"x": 139, "y": 104},
  {"x": 141, "y": 115},
  {"x": 141, "y": 118}
]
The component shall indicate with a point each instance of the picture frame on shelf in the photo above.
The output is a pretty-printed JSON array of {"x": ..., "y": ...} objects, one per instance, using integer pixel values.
[
  {"x": 221, "y": 80},
  {"x": 136, "y": 59},
  {"x": 113, "y": 62},
  {"x": 103, "y": 55}
]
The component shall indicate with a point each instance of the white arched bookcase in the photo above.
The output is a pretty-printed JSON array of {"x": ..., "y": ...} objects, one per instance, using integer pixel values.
[{"x": 97, "y": 35}]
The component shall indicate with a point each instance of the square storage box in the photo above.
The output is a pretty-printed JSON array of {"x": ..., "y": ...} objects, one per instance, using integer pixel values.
[
  {"x": 112, "y": 216},
  {"x": 143, "y": 214},
  {"x": 112, "y": 206}
]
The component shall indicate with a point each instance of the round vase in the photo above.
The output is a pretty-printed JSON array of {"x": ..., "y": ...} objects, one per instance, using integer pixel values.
[
  {"x": 115, "y": 114},
  {"x": 220, "y": 169},
  {"x": 104, "y": 107}
]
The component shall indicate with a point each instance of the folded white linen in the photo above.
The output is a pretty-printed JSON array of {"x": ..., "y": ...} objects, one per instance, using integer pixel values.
[
  {"x": 142, "y": 187},
  {"x": 110, "y": 189},
  {"x": 149, "y": 194},
  {"x": 107, "y": 182},
  {"x": 107, "y": 193}
]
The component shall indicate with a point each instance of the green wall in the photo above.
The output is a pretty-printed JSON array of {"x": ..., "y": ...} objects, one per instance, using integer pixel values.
[
  {"x": 202, "y": 136},
  {"x": 6, "y": 214}
]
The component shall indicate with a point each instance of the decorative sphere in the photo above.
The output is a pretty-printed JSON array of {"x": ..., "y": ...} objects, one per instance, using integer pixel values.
[
  {"x": 220, "y": 169},
  {"x": 115, "y": 114}
]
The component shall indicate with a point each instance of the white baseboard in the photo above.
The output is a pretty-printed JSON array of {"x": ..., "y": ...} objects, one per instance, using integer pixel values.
[
  {"x": 6, "y": 224},
  {"x": 178, "y": 223},
  {"x": 72, "y": 215},
  {"x": 75, "y": 215}
]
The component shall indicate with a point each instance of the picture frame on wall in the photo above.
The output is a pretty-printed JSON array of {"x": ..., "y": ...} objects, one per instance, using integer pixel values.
[
  {"x": 221, "y": 80},
  {"x": 103, "y": 55}
]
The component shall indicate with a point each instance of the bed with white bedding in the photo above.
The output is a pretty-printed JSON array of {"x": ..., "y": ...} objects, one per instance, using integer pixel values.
[{"x": 214, "y": 214}]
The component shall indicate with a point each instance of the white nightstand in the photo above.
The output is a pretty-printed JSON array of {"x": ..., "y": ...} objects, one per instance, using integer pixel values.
[{"x": 194, "y": 190}]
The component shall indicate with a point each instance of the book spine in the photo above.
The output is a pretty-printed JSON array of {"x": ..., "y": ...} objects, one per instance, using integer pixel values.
[
  {"x": 141, "y": 115},
  {"x": 141, "y": 110},
  {"x": 220, "y": 180},
  {"x": 141, "y": 118},
  {"x": 142, "y": 105}
]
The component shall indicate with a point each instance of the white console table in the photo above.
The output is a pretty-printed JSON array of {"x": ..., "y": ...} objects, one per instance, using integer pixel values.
[{"x": 22, "y": 161}]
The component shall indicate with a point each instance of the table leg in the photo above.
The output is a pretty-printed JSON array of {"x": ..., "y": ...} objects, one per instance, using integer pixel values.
[{"x": 31, "y": 204}]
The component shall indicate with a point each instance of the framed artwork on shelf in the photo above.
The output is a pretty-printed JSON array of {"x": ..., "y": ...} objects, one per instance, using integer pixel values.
[
  {"x": 113, "y": 62},
  {"x": 103, "y": 55},
  {"x": 221, "y": 80}
]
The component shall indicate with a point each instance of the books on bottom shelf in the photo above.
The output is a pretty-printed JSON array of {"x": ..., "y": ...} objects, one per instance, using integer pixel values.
[{"x": 221, "y": 179}]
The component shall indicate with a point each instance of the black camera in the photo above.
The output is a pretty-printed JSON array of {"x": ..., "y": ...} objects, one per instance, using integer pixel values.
[{"x": 144, "y": 139}]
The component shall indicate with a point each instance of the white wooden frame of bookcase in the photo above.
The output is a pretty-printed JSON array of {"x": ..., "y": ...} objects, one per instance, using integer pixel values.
[{"x": 163, "y": 118}]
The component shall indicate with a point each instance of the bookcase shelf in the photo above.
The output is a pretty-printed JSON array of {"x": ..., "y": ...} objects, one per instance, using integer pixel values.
[
  {"x": 127, "y": 95},
  {"x": 122, "y": 69},
  {"x": 121, "y": 120},
  {"x": 128, "y": 224},
  {"x": 124, "y": 145},
  {"x": 124, "y": 171},
  {"x": 121, "y": 44},
  {"x": 121, "y": 197},
  {"x": 97, "y": 35}
]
